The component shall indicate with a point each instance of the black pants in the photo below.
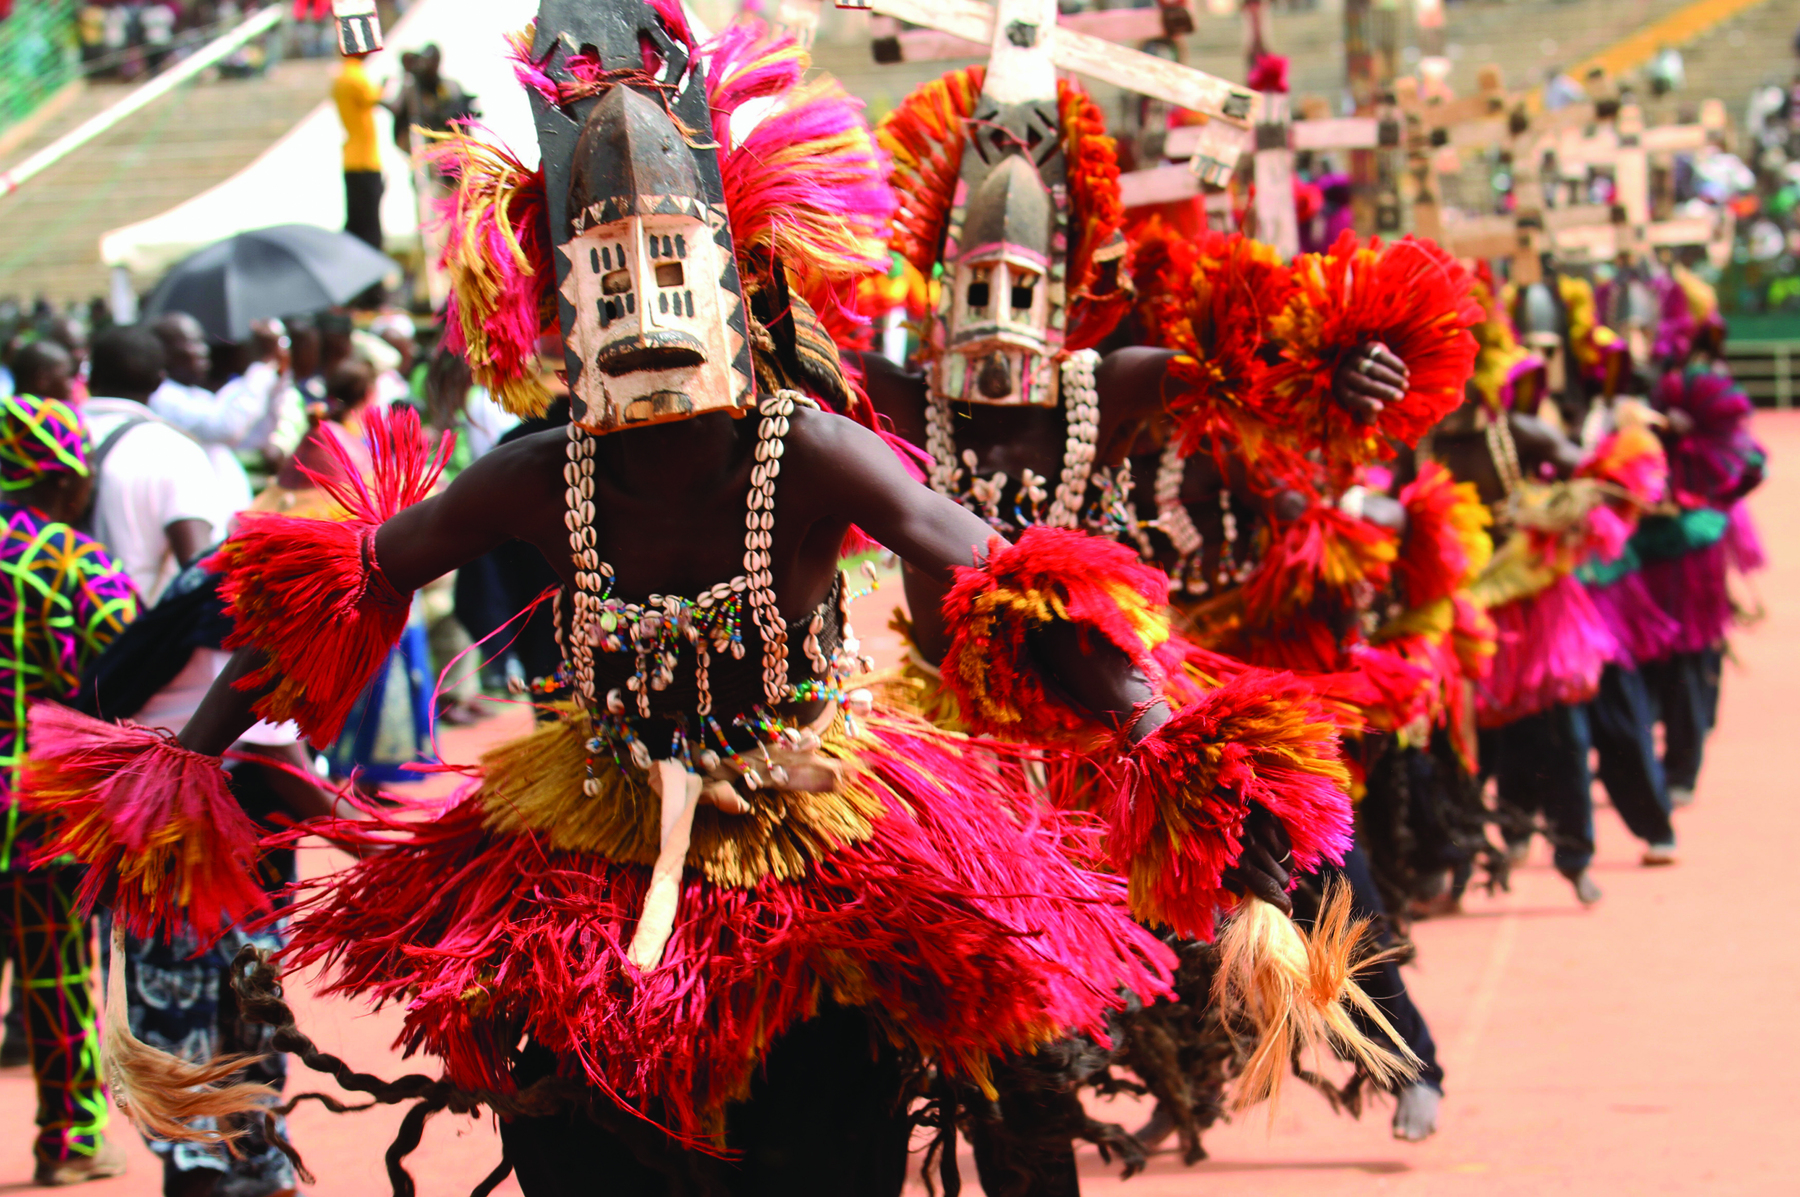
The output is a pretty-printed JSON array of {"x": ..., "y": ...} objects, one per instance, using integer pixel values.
[
  {"x": 1684, "y": 689},
  {"x": 1383, "y": 982},
  {"x": 1540, "y": 764},
  {"x": 362, "y": 205},
  {"x": 826, "y": 1117},
  {"x": 1619, "y": 722}
]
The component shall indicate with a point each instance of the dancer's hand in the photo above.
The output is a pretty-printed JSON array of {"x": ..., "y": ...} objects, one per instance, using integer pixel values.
[
  {"x": 1369, "y": 379},
  {"x": 1261, "y": 870}
]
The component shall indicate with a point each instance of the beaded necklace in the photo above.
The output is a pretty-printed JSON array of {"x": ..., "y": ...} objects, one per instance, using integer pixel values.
[
  {"x": 954, "y": 475},
  {"x": 1188, "y": 575},
  {"x": 712, "y": 624}
]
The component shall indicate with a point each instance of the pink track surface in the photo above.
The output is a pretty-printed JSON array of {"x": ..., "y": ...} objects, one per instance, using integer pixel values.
[{"x": 1643, "y": 1047}]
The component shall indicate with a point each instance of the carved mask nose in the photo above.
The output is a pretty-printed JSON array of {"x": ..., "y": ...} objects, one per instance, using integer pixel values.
[{"x": 995, "y": 380}]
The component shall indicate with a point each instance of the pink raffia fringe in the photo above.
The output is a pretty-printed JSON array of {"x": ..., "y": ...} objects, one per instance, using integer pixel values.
[
  {"x": 1691, "y": 588},
  {"x": 1552, "y": 649},
  {"x": 1743, "y": 544},
  {"x": 1642, "y": 630},
  {"x": 960, "y": 925}
]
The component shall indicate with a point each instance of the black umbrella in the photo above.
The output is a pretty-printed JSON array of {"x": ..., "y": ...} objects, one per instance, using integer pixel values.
[{"x": 266, "y": 274}]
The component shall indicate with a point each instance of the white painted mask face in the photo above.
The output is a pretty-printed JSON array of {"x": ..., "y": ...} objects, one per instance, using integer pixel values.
[
  {"x": 650, "y": 327},
  {"x": 649, "y": 330},
  {"x": 1003, "y": 303}
]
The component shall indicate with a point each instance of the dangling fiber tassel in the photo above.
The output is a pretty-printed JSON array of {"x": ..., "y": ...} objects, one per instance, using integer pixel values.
[
  {"x": 1298, "y": 993},
  {"x": 164, "y": 1094}
]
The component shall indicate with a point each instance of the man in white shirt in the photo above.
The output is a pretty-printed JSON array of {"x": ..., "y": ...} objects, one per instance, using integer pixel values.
[
  {"x": 184, "y": 401},
  {"x": 266, "y": 391},
  {"x": 157, "y": 500}
]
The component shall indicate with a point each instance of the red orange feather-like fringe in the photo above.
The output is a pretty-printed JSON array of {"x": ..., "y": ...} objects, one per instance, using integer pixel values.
[
  {"x": 1175, "y": 803},
  {"x": 1410, "y": 295},
  {"x": 924, "y": 138},
  {"x": 1099, "y": 291},
  {"x": 165, "y": 843},
  {"x": 1211, "y": 297},
  {"x": 309, "y": 593},
  {"x": 1050, "y": 574},
  {"x": 1446, "y": 545},
  {"x": 961, "y": 925}
]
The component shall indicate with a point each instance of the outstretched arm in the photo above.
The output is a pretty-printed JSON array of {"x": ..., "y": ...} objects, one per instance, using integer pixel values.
[
  {"x": 935, "y": 536},
  {"x": 500, "y": 492}
]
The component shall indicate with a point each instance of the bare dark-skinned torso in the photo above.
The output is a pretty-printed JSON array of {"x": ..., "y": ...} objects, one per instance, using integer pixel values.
[
  {"x": 670, "y": 503},
  {"x": 1013, "y": 439}
]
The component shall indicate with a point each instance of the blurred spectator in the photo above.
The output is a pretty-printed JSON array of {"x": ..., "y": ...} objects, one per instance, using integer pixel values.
[
  {"x": 429, "y": 100},
  {"x": 262, "y": 399},
  {"x": 72, "y": 334},
  {"x": 473, "y": 596},
  {"x": 157, "y": 505},
  {"x": 390, "y": 384},
  {"x": 64, "y": 600},
  {"x": 158, "y": 23},
  {"x": 90, "y": 31},
  {"x": 1561, "y": 89},
  {"x": 401, "y": 335},
  {"x": 356, "y": 96},
  {"x": 43, "y": 369},
  {"x": 184, "y": 402},
  {"x": 1666, "y": 71},
  {"x": 305, "y": 355}
]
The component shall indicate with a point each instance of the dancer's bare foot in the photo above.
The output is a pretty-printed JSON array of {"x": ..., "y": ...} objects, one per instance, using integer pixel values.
[{"x": 1416, "y": 1112}]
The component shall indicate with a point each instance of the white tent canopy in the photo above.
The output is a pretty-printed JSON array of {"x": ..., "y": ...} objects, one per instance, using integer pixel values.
[{"x": 299, "y": 179}]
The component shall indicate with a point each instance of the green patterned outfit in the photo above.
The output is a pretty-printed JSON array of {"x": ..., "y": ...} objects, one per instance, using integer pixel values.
[{"x": 62, "y": 600}]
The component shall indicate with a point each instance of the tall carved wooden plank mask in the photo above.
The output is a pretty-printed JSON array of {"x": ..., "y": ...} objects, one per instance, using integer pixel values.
[
  {"x": 1002, "y": 310},
  {"x": 651, "y": 305}
]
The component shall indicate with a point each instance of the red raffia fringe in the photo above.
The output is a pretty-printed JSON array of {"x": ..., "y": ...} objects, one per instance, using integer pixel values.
[
  {"x": 135, "y": 806},
  {"x": 1050, "y": 574},
  {"x": 310, "y": 594},
  {"x": 961, "y": 925}
]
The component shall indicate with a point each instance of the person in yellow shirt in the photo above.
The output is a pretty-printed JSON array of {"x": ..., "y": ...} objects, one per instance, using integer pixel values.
[{"x": 357, "y": 96}]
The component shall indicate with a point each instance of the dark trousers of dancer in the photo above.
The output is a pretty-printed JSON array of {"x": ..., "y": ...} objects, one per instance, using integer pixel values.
[
  {"x": 1684, "y": 688},
  {"x": 1620, "y": 719},
  {"x": 1383, "y": 982},
  {"x": 827, "y": 1117},
  {"x": 1540, "y": 766}
]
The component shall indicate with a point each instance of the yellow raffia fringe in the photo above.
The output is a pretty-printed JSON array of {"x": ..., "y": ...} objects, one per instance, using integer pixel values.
[
  {"x": 163, "y": 1094},
  {"x": 1297, "y": 994},
  {"x": 534, "y": 783},
  {"x": 489, "y": 180}
]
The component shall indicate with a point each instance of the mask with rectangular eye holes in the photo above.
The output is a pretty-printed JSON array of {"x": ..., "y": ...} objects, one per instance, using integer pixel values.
[
  {"x": 651, "y": 302},
  {"x": 1001, "y": 312}
]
